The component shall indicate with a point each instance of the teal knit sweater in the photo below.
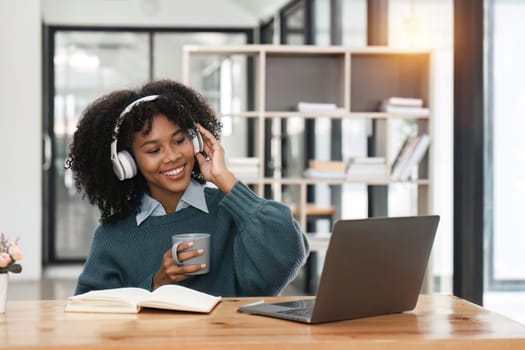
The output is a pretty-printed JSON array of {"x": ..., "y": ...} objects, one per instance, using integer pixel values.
[{"x": 256, "y": 247}]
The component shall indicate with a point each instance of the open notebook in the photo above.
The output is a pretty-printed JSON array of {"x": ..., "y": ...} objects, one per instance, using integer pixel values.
[{"x": 373, "y": 266}]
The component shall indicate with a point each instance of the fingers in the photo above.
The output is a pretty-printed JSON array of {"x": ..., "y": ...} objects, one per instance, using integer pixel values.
[
  {"x": 201, "y": 158},
  {"x": 181, "y": 272},
  {"x": 183, "y": 254},
  {"x": 205, "y": 133},
  {"x": 210, "y": 142},
  {"x": 177, "y": 273}
]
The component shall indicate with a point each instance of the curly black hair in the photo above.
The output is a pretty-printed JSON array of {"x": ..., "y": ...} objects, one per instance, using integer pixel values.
[{"x": 89, "y": 157}]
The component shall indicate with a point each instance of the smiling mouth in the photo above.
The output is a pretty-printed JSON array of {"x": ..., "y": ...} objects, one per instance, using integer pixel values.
[{"x": 173, "y": 172}]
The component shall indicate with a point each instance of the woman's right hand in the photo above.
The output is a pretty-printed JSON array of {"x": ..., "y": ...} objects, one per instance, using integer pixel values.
[
  {"x": 169, "y": 272},
  {"x": 213, "y": 168}
]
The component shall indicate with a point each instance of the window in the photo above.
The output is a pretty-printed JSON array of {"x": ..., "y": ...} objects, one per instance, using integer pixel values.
[{"x": 504, "y": 262}]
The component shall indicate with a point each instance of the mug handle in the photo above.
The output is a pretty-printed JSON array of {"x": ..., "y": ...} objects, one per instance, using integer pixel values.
[{"x": 174, "y": 254}]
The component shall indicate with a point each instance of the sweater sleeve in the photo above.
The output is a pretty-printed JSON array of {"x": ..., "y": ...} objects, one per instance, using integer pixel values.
[{"x": 269, "y": 247}]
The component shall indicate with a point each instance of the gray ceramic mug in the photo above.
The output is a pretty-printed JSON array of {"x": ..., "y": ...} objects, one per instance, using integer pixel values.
[{"x": 200, "y": 241}]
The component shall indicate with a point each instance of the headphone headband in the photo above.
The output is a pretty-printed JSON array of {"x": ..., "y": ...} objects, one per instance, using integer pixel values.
[
  {"x": 124, "y": 166},
  {"x": 128, "y": 108}
]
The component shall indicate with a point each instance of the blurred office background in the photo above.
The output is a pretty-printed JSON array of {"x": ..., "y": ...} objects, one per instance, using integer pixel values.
[{"x": 58, "y": 55}]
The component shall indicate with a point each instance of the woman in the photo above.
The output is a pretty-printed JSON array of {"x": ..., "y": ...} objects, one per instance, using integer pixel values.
[{"x": 134, "y": 156}]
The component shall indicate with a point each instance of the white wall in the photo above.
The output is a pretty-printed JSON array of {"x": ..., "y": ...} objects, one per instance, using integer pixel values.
[
  {"x": 171, "y": 13},
  {"x": 20, "y": 126}
]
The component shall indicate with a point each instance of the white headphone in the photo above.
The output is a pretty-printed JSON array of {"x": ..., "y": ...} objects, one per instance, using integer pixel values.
[{"x": 124, "y": 165}]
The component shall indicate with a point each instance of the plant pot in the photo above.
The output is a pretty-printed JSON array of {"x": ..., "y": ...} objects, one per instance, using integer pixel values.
[{"x": 4, "y": 279}]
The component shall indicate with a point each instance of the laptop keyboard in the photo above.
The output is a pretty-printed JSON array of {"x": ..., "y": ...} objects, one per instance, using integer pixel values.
[
  {"x": 298, "y": 304},
  {"x": 298, "y": 312},
  {"x": 301, "y": 308}
]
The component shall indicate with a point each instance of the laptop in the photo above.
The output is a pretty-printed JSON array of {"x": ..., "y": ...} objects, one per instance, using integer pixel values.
[{"x": 373, "y": 266}]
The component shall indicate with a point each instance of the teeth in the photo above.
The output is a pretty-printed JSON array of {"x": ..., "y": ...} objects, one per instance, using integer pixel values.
[{"x": 173, "y": 172}]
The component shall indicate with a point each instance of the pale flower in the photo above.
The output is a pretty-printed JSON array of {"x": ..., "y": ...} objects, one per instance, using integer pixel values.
[
  {"x": 10, "y": 253},
  {"x": 5, "y": 259},
  {"x": 15, "y": 251}
]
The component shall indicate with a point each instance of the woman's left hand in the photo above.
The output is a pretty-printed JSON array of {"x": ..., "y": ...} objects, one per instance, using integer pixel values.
[{"x": 213, "y": 168}]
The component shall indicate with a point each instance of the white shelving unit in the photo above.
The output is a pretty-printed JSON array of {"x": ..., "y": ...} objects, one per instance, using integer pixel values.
[{"x": 354, "y": 80}]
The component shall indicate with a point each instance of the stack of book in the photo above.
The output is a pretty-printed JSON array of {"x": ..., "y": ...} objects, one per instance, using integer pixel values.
[
  {"x": 404, "y": 105},
  {"x": 244, "y": 167},
  {"x": 357, "y": 169},
  {"x": 317, "y": 107},
  {"x": 410, "y": 154},
  {"x": 366, "y": 168},
  {"x": 326, "y": 169}
]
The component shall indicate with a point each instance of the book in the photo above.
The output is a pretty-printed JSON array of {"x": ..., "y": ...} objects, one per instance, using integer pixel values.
[
  {"x": 419, "y": 150},
  {"x": 313, "y": 106},
  {"x": 404, "y": 101},
  {"x": 324, "y": 174},
  {"x": 132, "y": 300},
  {"x": 330, "y": 165},
  {"x": 244, "y": 167},
  {"x": 403, "y": 156},
  {"x": 367, "y": 168},
  {"x": 405, "y": 110},
  {"x": 409, "y": 106},
  {"x": 366, "y": 161},
  {"x": 325, "y": 169},
  {"x": 243, "y": 161}
]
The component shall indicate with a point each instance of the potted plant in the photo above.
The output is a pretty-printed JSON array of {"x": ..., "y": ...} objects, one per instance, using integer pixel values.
[{"x": 10, "y": 253}]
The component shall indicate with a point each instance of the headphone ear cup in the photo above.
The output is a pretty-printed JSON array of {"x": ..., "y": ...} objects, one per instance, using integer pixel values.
[
  {"x": 117, "y": 167},
  {"x": 126, "y": 168},
  {"x": 198, "y": 143}
]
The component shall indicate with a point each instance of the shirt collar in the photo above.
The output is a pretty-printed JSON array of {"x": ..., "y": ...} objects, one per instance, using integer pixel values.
[{"x": 193, "y": 196}]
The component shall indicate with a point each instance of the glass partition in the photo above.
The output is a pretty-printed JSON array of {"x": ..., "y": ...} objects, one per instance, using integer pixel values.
[{"x": 85, "y": 64}]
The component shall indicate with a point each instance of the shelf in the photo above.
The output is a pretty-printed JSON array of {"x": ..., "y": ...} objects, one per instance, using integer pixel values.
[
  {"x": 338, "y": 114},
  {"x": 353, "y": 81},
  {"x": 315, "y": 181},
  {"x": 299, "y": 49}
]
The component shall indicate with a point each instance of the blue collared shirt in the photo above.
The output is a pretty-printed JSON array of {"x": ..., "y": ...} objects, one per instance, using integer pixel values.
[{"x": 193, "y": 196}]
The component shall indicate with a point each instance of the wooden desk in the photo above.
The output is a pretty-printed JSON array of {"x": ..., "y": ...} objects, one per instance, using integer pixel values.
[{"x": 438, "y": 322}]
